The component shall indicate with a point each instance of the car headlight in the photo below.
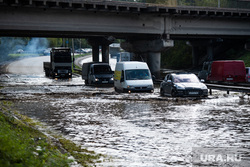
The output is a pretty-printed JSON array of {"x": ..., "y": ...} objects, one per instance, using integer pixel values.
[
  {"x": 203, "y": 86},
  {"x": 111, "y": 79},
  {"x": 96, "y": 79},
  {"x": 130, "y": 87},
  {"x": 150, "y": 86},
  {"x": 179, "y": 87}
]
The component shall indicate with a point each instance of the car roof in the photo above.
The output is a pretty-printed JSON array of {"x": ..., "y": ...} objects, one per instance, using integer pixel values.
[{"x": 182, "y": 73}]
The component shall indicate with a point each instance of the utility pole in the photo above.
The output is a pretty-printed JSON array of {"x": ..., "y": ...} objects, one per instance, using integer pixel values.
[{"x": 73, "y": 50}]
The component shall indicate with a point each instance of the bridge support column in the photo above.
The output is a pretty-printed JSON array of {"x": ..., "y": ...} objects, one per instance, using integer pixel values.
[
  {"x": 198, "y": 48},
  {"x": 148, "y": 51},
  {"x": 195, "y": 56},
  {"x": 96, "y": 42},
  {"x": 105, "y": 53},
  {"x": 95, "y": 52},
  {"x": 210, "y": 53}
]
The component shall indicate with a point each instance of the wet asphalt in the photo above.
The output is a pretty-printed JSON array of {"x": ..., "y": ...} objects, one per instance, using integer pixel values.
[{"x": 138, "y": 129}]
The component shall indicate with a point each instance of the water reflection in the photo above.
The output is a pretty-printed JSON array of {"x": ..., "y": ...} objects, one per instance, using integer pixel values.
[{"x": 149, "y": 133}]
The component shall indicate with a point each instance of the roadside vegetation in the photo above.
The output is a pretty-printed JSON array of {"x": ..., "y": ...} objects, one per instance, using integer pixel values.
[
  {"x": 180, "y": 56},
  {"x": 22, "y": 144}
]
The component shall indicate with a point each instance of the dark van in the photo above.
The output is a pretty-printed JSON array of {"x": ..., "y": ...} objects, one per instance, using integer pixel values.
[
  {"x": 97, "y": 73},
  {"x": 224, "y": 71}
]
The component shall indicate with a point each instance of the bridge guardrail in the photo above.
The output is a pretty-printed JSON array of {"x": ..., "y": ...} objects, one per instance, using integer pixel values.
[
  {"x": 228, "y": 88},
  {"x": 238, "y": 4}
]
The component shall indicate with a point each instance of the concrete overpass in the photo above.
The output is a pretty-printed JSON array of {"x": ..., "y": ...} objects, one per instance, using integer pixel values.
[{"x": 148, "y": 29}]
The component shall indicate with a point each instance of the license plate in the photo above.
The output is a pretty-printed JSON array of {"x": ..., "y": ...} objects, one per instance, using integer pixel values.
[
  {"x": 105, "y": 81},
  {"x": 193, "y": 93},
  {"x": 230, "y": 79}
]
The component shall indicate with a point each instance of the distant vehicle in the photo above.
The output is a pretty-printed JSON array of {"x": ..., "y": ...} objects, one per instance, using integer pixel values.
[
  {"x": 87, "y": 50},
  {"x": 206, "y": 68},
  {"x": 133, "y": 76},
  {"x": 224, "y": 71},
  {"x": 123, "y": 56},
  {"x": 97, "y": 73},
  {"x": 60, "y": 65},
  {"x": 248, "y": 74},
  {"x": 79, "y": 51},
  {"x": 19, "y": 51},
  {"x": 183, "y": 84},
  {"x": 47, "y": 51}
]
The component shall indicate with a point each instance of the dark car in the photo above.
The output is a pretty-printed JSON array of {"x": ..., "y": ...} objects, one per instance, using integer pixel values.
[{"x": 183, "y": 84}]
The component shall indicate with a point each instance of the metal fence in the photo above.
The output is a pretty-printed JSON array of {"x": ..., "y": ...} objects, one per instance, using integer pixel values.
[{"x": 242, "y": 4}]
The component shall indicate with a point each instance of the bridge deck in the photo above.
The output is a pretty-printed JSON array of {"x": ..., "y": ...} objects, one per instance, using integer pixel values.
[{"x": 133, "y": 7}]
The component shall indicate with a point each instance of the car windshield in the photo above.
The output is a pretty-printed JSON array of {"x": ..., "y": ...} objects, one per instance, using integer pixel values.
[
  {"x": 141, "y": 74},
  {"x": 102, "y": 69},
  {"x": 185, "y": 78}
]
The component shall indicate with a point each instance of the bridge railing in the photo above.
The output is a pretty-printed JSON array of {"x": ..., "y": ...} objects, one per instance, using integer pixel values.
[{"x": 238, "y": 4}]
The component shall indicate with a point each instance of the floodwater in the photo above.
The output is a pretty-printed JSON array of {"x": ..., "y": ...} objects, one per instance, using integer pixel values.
[{"x": 134, "y": 130}]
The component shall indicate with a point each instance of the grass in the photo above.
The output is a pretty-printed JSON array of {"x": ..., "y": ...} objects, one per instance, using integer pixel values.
[
  {"x": 82, "y": 156},
  {"x": 22, "y": 144},
  {"x": 23, "y": 55}
]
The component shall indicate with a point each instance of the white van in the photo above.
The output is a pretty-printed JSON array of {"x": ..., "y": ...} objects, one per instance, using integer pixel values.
[{"x": 133, "y": 76}]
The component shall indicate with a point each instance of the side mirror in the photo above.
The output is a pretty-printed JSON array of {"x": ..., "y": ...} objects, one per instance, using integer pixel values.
[
  {"x": 169, "y": 81},
  {"x": 202, "y": 80},
  {"x": 122, "y": 80}
]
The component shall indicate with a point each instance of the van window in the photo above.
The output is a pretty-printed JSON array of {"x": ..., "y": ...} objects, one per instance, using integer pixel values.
[
  {"x": 205, "y": 67},
  {"x": 140, "y": 74},
  {"x": 102, "y": 69},
  {"x": 247, "y": 70}
]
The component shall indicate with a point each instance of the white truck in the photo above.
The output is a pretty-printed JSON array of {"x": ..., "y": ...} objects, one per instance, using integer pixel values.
[{"x": 133, "y": 76}]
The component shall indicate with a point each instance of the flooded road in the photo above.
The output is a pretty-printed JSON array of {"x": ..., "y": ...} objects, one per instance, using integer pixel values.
[{"x": 143, "y": 130}]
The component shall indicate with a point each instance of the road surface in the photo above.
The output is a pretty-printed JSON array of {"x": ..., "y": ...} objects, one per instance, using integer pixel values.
[
  {"x": 33, "y": 65},
  {"x": 138, "y": 129}
]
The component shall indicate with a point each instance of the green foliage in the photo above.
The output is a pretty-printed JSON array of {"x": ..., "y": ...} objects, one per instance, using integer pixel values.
[
  {"x": 59, "y": 42},
  {"x": 55, "y": 42},
  {"x": 178, "y": 57},
  {"x": 246, "y": 59},
  {"x": 83, "y": 156}
]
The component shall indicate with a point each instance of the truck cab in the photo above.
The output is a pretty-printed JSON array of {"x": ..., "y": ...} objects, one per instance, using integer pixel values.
[{"x": 60, "y": 65}]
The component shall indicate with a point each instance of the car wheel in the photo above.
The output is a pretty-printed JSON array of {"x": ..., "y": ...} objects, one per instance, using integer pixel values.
[
  {"x": 161, "y": 92},
  {"x": 173, "y": 94}
]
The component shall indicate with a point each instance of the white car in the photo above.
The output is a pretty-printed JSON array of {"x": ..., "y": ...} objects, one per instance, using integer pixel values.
[{"x": 183, "y": 84}]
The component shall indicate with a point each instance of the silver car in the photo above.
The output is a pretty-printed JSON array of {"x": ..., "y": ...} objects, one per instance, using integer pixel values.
[
  {"x": 183, "y": 84},
  {"x": 248, "y": 74}
]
